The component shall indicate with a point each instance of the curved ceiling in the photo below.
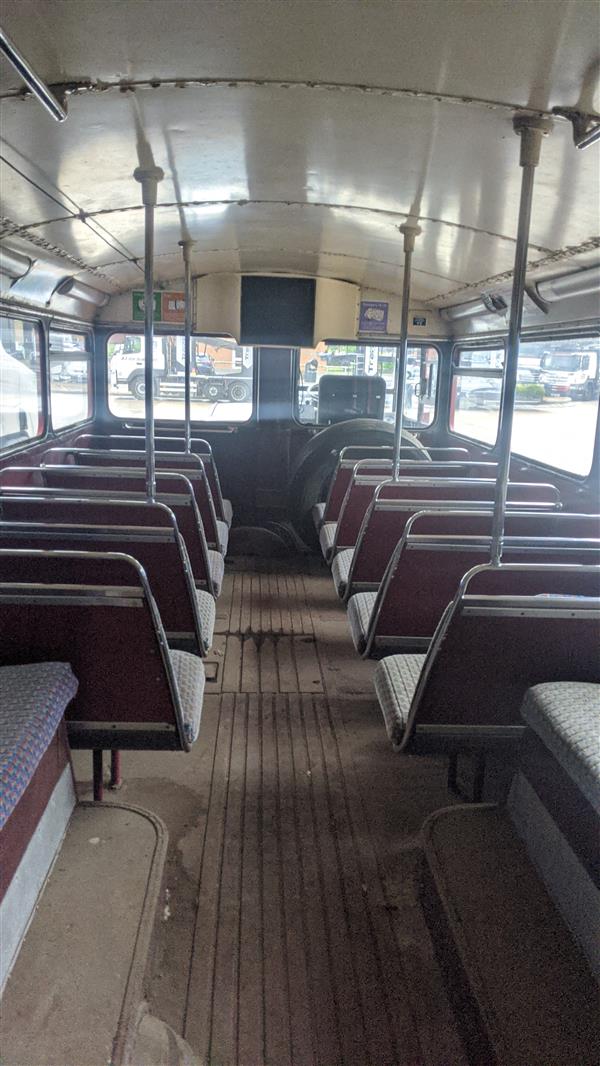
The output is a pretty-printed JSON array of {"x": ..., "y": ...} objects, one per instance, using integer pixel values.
[{"x": 265, "y": 175}]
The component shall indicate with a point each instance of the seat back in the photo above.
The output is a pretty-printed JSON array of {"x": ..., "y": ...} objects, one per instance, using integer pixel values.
[
  {"x": 69, "y": 504},
  {"x": 508, "y": 628},
  {"x": 160, "y": 550},
  {"x": 137, "y": 442},
  {"x": 425, "y": 570},
  {"x": 381, "y": 457},
  {"x": 190, "y": 467},
  {"x": 95, "y": 611},
  {"x": 128, "y": 482},
  {"x": 451, "y": 485},
  {"x": 384, "y": 528}
]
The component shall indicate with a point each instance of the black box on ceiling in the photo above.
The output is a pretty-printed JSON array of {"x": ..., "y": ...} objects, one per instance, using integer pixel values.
[
  {"x": 350, "y": 397},
  {"x": 277, "y": 311}
]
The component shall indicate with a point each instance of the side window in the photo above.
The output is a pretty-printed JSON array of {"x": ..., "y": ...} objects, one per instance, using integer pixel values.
[
  {"x": 21, "y": 417},
  {"x": 370, "y": 360},
  {"x": 221, "y": 378},
  {"x": 475, "y": 393},
  {"x": 70, "y": 379},
  {"x": 556, "y": 404}
]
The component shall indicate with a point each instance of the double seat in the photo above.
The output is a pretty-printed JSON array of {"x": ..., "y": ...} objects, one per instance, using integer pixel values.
[{"x": 507, "y": 628}]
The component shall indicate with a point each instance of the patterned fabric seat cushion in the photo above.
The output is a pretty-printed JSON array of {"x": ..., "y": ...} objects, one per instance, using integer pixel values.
[
  {"x": 216, "y": 563},
  {"x": 340, "y": 570},
  {"x": 227, "y": 512},
  {"x": 207, "y": 612},
  {"x": 189, "y": 678},
  {"x": 33, "y": 699},
  {"x": 318, "y": 514},
  {"x": 566, "y": 717},
  {"x": 327, "y": 538},
  {"x": 223, "y": 537},
  {"x": 360, "y": 609},
  {"x": 396, "y": 679}
]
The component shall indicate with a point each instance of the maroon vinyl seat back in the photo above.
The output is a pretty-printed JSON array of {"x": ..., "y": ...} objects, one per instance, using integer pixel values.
[
  {"x": 509, "y": 629},
  {"x": 423, "y": 581},
  {"x": 380, "y": 460},
  {"x": 137, "y": 443},
  {"x": 383, "y": 527},
  {"x": 120, "y": 458},
  {"x": 346, "y": 503},
  {"x": 123, "y": 465},
  {"x": 383, "y": 530},
  {"x": 95, "y": 612},
  {"x": 159, "y": 550},
  {"x": 68, "y": 501}
]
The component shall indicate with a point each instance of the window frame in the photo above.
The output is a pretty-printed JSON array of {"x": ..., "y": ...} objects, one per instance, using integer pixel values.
[
  {"x": 206, "y": 426},
  {"x": 556, "y": 334},
  {"x": 87, "y": 355},
  {"x": 44, "y": 421},
  {"x": 483, "y": 372},
  {"x": 381, "y": 342}
]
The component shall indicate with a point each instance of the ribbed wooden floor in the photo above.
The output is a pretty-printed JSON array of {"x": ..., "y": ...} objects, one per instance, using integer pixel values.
[
  {"x": 294, "y": 959},
  {"x": 292, "y": 933}
]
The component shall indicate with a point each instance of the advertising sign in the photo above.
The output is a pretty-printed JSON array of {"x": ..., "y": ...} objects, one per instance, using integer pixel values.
[{"x": 373, "y": 316}]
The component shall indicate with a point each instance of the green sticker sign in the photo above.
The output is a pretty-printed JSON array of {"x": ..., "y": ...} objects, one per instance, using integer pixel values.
[{"x": 137, "y": 314}]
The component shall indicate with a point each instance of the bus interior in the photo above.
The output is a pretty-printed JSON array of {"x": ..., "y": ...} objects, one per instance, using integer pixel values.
[{"x": 299, "y": 533}]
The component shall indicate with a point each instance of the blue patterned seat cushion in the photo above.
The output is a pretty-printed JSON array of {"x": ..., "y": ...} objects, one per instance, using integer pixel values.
[
  {"x": 566, "y": 717},
  {"x": 216, "y": 563},
  {"x": 227, "y": 512},
  {"x": 33, "y": 699},
  {"x": 396, "y": 679},
  {"x": 223, "y": 537},
  {"x": 340, "y": 570},
  {"x": 190, "y": 679}
]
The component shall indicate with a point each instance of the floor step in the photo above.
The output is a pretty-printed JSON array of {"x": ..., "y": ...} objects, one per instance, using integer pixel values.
[{"x": 521, "y": 990}]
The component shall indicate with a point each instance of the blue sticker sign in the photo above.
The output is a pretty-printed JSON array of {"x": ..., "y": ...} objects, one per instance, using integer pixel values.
[
  {"x": 419, "y": 320},
  {"x": 373, "y": 316}
]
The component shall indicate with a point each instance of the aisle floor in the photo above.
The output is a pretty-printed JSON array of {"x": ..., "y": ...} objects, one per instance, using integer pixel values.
[{"x": 290, "y": 932}]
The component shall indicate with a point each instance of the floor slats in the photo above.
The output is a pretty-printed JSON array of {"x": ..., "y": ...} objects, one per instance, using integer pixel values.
[{"x": 294, "y": 959}]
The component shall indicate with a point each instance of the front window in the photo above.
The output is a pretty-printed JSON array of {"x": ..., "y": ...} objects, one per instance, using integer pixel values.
[
  {"x": 314, "y": 402},
  {"x": 70, "y": 379},
  {"x": 20, "y": 382},
  {"x": 221, "y": 378}
]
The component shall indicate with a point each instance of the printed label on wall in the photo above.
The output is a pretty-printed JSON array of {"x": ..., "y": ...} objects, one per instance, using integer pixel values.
[
  {"x": 168, "y": 307},
  {"x": 373, "y": 316}
]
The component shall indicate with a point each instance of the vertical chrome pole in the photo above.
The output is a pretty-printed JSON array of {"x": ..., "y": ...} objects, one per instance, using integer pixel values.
[
  {"x": 531, "y": 129},
  {"x": 186, "y": 247},
  {"x": 410, "y": 232},
  {"x": 149, "y": 179}
]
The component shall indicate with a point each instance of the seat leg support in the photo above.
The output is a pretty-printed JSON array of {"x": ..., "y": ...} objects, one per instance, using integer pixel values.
[
  {"x": 115, "y": 770},
  {"x": 97, "y": 763}
]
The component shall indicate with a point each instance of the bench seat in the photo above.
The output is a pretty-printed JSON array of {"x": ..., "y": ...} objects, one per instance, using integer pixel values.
[
  {"x": 33, "y": 700},
  {"x": 189, "y": 678},
  {"x": 396, "y": 680},
  {"x": 340, "y": 570},
  {"x": 216, "y": 564},
  {"x": 207, "y": 614},
  {"x": 360, "y": 609},
  {"x": 566, "y": 718}
]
